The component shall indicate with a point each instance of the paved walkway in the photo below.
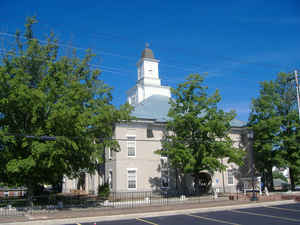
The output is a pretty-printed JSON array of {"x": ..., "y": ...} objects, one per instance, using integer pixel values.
[{"x": 105, "y": 214}]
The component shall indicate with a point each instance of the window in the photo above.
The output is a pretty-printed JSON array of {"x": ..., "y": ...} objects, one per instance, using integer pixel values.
[
  {"x": 164, "y": 172},
  {"x": 131, "y": 177},
  {"x": 139, "y": 73},
  {"x": 131, "y": 146},
  {"x": 110, "y": 153},
  {"x": 230, "y": 177},
  {"x": 110, "y": 177},
  {"x": 149, "y": 133},
  {"x": 164, "y": 178},
  {"x": 163, "y": 163},
  {"x": 133, "y": 99}
]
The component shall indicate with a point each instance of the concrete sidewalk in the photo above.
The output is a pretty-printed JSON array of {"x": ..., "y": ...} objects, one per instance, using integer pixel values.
[{"x": 104, "y": 214}]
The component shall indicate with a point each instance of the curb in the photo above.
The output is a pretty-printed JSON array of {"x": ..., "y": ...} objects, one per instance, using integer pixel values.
[{"x": 149, "y": 214}]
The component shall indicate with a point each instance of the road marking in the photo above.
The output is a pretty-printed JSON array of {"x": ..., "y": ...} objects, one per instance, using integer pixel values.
[
  {"x": 265, "y": 215},
  {"x": 146, "y": 221},
  {"x": 211, "y": 219},
  {"x": 291, "y": 210}
]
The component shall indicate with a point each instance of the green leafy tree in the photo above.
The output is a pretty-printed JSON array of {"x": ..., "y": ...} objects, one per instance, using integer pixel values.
[
  {"x": 275, "y": 123},
  {"x": 290, "y": 125},
  {"x": 53, "y": 110},
  {"x": 265, "y": 124},
  {"x": 197, "y": 136}
]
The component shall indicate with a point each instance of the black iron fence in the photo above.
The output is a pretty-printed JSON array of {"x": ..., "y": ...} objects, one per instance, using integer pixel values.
[
  {"x": 147, "y": 198},
  {"x": 19, "y": 206}
]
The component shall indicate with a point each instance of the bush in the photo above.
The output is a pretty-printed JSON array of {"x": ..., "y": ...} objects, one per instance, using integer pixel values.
[{"x": 103, "y": 190}]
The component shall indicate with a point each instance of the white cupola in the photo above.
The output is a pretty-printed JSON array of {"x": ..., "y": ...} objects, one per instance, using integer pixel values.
[
  {"x": 148, "y": 68},
  {"x": 148, "y": 82}
]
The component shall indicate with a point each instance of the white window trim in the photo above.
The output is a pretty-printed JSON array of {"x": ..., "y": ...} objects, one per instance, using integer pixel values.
[
  {"x": 109, "y": 153},
  {"x": 164, "y": 158},
  {"x": 131, "y": 156},
  {"x": 135, "y": 169},
  {"x": 111, "y": 179},
  {"x": 232, "y": 177},
  {"x": 168, "y": 179}
]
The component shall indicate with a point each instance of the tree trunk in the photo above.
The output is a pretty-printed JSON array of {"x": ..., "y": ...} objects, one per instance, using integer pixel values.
[
  {"x": 263, "y": 179},
  {"x": 292, "y": 179},
  {"x": 269, "y": 179},
  {"x": 30, "y": 193},
  {"x": 182, "y": 183},
  {"x": 196, "y": 183},
  {"x": 177, "y": 178}
]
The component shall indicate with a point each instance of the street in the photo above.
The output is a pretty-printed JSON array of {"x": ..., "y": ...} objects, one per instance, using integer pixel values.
[{"x": 281, "y": 214}]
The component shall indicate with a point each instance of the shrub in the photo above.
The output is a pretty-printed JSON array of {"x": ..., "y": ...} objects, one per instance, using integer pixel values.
[{"x": 103, "y": 190}]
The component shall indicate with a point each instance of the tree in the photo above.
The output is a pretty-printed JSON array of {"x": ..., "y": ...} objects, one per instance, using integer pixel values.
[
  {"x": 197, "y": 133},
  {"x": 56, "y": 116},
  {"x": 275, "y": 123},
  {"x": 289, "y": 135},
  {"x": 265, "y": 124}
]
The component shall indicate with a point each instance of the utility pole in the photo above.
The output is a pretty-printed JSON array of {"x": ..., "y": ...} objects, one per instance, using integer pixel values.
[{"x": 297, "y": 88}]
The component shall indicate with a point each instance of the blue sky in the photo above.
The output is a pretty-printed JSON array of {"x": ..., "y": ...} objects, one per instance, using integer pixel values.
[{"x": 236, "y": 44}]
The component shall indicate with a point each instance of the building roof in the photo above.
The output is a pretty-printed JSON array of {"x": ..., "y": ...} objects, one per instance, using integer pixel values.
[
  {"x": 156, "y": 107},
  {"x": 147, "y": 53},
  {"x": 237, "y": 123}
]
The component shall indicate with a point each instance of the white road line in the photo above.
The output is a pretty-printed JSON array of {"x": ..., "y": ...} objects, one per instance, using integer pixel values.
[
  {"x": 265, "y": 215},
  {"x": 211, "y": 219},
  {"x": 291, "y": 210},
  {"x": 146, "y": 221}
]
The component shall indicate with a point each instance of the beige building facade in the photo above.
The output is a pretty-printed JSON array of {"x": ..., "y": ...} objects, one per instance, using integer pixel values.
[{"x": 137, "y": 167}]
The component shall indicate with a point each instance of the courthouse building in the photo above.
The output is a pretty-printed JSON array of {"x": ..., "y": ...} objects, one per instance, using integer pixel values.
[{"x": 136, "y": 167}]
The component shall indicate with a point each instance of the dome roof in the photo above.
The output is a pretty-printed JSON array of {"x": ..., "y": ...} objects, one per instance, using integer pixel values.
[{"x": 147, "y": 53}]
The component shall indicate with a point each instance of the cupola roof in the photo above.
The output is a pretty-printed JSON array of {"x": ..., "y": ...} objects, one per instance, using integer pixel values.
[{"x": 147, "y": 53}]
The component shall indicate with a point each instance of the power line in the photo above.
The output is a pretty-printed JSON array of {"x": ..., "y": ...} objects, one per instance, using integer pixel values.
[
  {"x": 297, "y": 89},
  {"x": 54, "y": 138},
  {"x": 108, "y": 69},
  {"x": 113, "y": 70},
  {"x": 85, "y": 49},
  {"x": 119, "y": 71},
  {"x": 190, "y": 69},
  {"x": 68, "y": 46}
]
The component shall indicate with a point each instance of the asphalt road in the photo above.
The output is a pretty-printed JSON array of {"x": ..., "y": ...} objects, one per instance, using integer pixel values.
[{"x": 281, "y": 214}]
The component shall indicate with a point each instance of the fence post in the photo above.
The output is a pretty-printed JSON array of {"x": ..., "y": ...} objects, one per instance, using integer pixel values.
[{"x": 167, "y": 198}]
